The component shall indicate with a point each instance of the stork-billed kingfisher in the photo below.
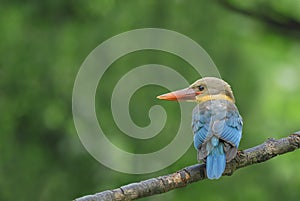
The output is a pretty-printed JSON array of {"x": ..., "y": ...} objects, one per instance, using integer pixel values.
[{"x": 216, "y": 122}]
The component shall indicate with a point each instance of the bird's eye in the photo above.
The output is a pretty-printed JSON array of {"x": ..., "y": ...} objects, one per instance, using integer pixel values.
[{"x": 201, "y": 88}]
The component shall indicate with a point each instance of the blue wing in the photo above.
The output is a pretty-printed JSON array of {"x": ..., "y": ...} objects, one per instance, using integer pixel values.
[
  {"x": 232, "y": 131},
  {"x": 229, "y": 124},
  {"x": 200, "y": 125}
]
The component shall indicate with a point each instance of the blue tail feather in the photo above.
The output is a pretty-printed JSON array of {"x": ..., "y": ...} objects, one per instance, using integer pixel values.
[{"x": 216, "y": 160}]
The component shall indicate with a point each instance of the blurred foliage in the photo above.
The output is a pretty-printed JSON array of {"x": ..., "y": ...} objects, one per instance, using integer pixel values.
[{"x": 43, "y": 44}]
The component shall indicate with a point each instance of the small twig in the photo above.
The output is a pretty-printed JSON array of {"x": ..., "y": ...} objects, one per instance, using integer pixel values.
[{"x": 181, "y": 178}]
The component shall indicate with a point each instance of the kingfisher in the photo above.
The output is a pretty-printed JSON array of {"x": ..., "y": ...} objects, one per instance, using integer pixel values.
[{"x": 216, "y": 122}]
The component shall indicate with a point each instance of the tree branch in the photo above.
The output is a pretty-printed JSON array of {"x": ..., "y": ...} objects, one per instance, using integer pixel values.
[
  {"x": 181, "y": 178},
  {"x": 267, "y": 15}
]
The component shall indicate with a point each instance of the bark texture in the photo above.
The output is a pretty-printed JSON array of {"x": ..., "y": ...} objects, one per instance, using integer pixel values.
[{"x": 194, "y": 173}]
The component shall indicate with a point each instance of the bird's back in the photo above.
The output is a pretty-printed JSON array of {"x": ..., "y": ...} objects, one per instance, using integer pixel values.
[{"x": 218, "y": 118}]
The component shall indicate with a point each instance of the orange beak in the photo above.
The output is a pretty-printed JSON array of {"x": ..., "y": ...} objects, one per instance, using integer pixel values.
[{"x": 180, "y": 95}]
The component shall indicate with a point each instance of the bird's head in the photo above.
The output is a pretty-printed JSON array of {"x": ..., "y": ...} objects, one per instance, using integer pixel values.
[{"x": 208, "y": 88}]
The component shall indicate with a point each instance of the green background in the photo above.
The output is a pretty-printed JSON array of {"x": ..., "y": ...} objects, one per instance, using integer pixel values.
[{"x": 43, "y": 44}]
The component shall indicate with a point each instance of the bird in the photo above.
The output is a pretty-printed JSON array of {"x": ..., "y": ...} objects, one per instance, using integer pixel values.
[{"x": 216, "y": 122}]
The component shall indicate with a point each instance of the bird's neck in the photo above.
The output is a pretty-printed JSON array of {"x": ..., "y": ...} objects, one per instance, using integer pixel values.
[{"x": 215, "y": 97}]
